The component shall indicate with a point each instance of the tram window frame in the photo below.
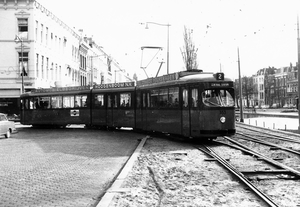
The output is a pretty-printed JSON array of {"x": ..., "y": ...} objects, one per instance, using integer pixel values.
[
  {"x": 125, "y": 100},
  {"x": 99, "y": 100},
  {"x": 58, "y": 104},
  {"x": 68, "y": 101}
]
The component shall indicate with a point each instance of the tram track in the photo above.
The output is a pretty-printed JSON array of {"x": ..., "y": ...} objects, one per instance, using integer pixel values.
[
  {"x": 209, "y": 151},
  {"x": 259, "y": 170}
]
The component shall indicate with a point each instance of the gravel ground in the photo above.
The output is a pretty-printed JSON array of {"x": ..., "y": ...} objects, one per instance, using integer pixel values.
[{"x": 173, "y": 173}]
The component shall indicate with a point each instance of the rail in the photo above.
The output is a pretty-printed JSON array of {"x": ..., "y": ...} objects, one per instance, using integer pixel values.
[{"x": 239, "y": 175}]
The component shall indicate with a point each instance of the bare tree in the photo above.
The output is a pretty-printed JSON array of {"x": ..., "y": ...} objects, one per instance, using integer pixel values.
[{"x": 189, "y": 51}]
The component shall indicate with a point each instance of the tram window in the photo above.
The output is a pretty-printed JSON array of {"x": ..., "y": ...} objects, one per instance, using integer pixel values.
[
  {"x": 44, "y": 102},
  {"x": 80, "y": 101},
  {"x": 125, "y": 100},
  {"x": 138, "y": 100},
  {"x": 163, "y": 97},
  {"x": 173, "y": 97},
  {"x": 148, "y": 99},
  {"x": 36, "y": 103},
  {"x": 112, "y": 101},
  {"x": 99, "y": 100},
  {"x": 194, "y": 97},
  {"x": 31, "y": 103},
  {"x": 144, "y": 100},
  {"x": 154, "y": 98},
  {"x": 68, "y": 101},
  {"x": 25, "y": 103},
  {"x": 218, "y": 97},
  {"x": 56, "y": 102},
  {"x": 185, "y": 98}
]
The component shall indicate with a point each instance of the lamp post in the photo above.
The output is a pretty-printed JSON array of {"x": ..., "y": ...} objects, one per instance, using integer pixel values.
[
  {"x": 168, "y": 37},
  {"x": 18, "y": 39}
]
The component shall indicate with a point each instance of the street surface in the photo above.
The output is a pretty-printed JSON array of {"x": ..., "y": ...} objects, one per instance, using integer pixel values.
[{"x": 61, "y": 167}]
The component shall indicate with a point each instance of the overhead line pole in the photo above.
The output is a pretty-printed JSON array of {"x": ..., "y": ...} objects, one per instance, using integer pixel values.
[
  {"x": 240, "y": 86},
  {"x": 298, "y": 67}
]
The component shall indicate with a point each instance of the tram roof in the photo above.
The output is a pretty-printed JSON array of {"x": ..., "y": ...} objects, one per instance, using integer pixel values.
[{"x": 181, "y": 78}]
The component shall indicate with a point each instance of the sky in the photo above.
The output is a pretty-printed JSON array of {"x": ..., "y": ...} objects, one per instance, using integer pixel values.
[{"x": 262, "y": 32}]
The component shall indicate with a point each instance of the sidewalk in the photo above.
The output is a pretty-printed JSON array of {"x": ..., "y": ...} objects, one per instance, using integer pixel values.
[
  {"x": 282, "y": 119},
  {"x": 274, "y": 122}
]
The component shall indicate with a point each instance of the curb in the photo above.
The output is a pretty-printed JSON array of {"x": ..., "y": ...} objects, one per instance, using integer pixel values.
[{"x": 116, "y": 186}]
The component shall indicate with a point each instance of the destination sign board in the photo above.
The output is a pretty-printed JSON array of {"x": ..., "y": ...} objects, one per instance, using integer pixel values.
[
  {"x": 218, "y": 84},
  {"x": 114, "y": 85},
  {"x": 161, "y": 79},
  {"x": 57, "y": 89}
]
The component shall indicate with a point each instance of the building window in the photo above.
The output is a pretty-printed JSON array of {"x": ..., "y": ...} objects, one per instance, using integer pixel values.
[
  {"x": 42, "y": 66},
  {"x": 47, "y": 67},
  {"x": 37, "y": 65},
  {"x": 42, "y": 30},
  {"x": 23, "y": 61},
  {"x": 36, "y": 30},
  {"x": 46, "y": 37},
  {"x": 23, "y": 28}
]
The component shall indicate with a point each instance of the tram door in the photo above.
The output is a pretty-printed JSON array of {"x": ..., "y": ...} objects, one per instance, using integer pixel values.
[
  {"x": 185, "y": 113},
  {"x": 112, "y": 104},
  {"x": 144, "y": 106}
]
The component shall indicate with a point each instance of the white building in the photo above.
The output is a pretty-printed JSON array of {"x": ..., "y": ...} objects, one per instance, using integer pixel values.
[{"x": 51, "y": 53}]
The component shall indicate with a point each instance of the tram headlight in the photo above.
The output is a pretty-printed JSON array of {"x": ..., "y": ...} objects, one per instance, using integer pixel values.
[{"x": 222, "y": 119}]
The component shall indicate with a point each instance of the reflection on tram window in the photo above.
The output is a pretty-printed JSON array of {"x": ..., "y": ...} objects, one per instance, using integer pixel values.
[
  {"x": 185, "y": 98},
  {"x": 68, "y": 101},
  {"x": 125, "y": 100},
  {"x": 56, "y": 102},
  {"x": 194, "y": 97},
  {"x": 218, "y": 97}
]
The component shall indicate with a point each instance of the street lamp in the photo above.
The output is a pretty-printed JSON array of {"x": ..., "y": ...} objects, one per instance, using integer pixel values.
[
  {"x": 166, "y": 25},
  {"x": 17, "y": 40}
]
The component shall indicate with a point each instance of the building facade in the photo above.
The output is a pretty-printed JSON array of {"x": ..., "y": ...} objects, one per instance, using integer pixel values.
[{"x": 38, "y": 50}]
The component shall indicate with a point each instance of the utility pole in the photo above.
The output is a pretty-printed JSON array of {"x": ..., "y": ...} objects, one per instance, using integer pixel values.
[
  {"x": 240, "y": 86},
  {"x": 298, "y": 66}
]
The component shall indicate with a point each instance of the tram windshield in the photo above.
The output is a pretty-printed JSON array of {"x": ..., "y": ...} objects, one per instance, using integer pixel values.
[{"x": 218, "y": 97}]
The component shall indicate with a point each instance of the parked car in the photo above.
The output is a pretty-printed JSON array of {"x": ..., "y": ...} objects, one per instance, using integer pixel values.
[{"x": 6, "y": 127}]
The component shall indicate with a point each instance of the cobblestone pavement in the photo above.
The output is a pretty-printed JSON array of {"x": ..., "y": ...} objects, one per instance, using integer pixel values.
[{"x": 61, "y": 167}]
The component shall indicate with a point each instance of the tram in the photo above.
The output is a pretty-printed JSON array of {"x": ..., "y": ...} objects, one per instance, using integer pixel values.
[
  {"x": 192, "y": 104},
  {"x": 56, "y": 107}
]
